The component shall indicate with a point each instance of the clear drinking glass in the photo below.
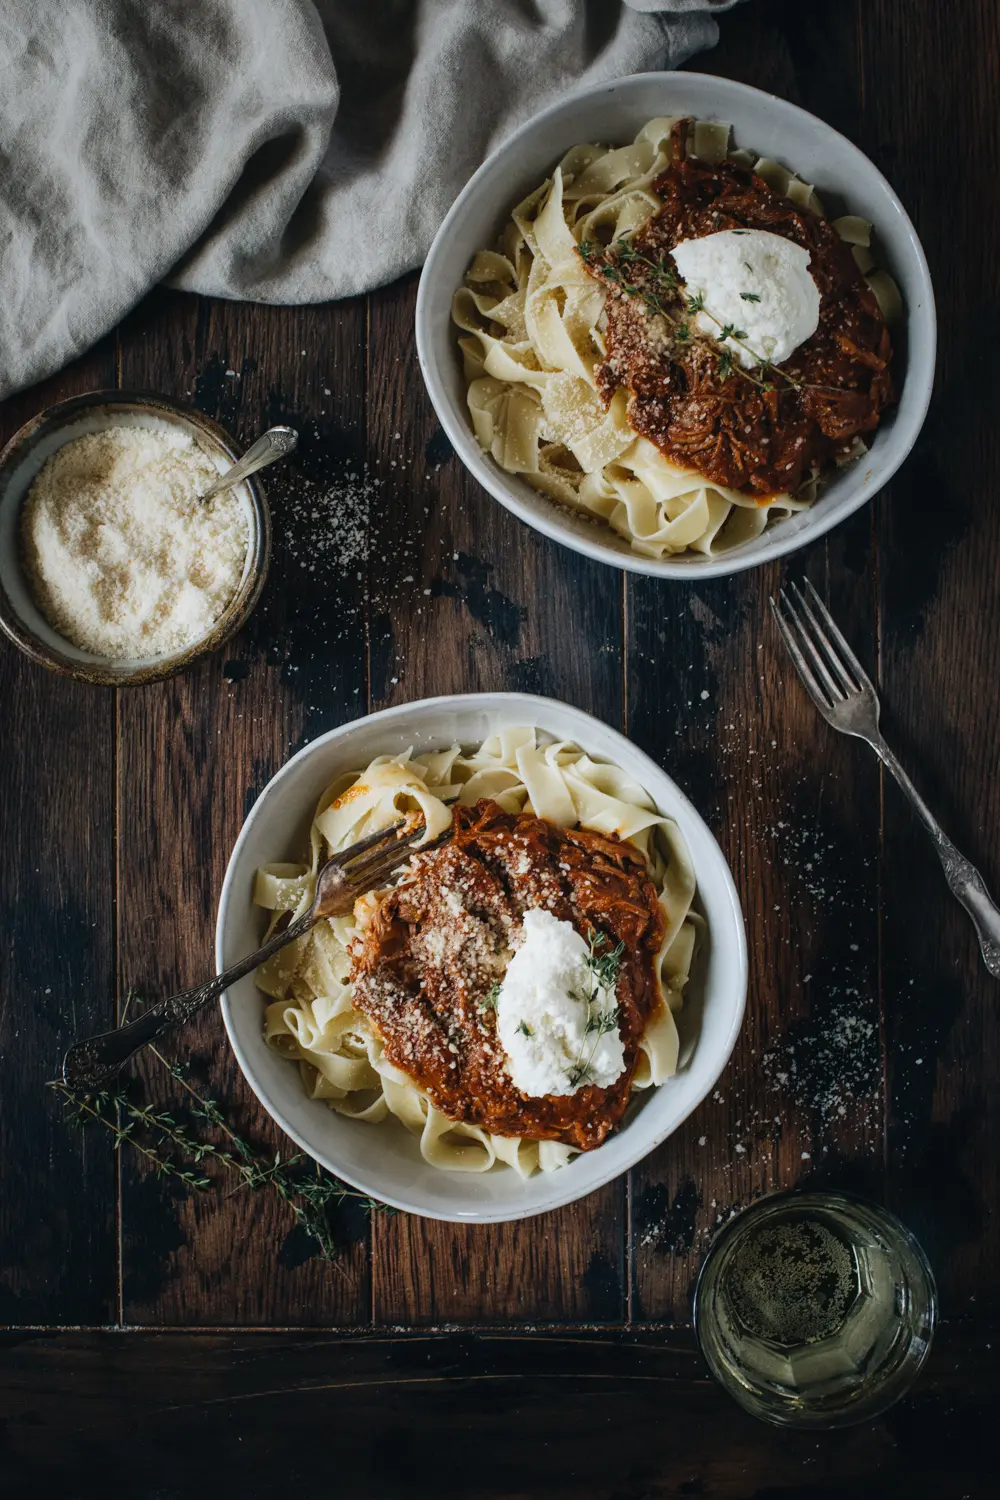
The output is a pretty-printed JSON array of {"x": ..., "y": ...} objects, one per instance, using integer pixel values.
[{"x": 815, "y": 1309}]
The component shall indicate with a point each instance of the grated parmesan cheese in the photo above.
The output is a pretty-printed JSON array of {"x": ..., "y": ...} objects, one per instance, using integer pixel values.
[{"x": 123, "y": 558}]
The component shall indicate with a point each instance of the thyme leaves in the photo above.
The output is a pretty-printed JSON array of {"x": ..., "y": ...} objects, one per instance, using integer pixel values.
[
  {"x": 173, "y": 1147},
  {"x": 654, "y": 283},
  {"x": 491, "y": 999},
  {"x": 604, "y": 964}
]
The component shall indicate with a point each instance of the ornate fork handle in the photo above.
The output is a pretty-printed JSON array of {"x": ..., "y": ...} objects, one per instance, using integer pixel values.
[
  {"x": 91, "y": 1064},
  {"x": 965, "y": 881}
]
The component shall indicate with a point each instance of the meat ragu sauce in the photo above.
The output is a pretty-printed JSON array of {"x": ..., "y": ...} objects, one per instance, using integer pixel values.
[
  {"x": 761, "y": 442},
  {"x": 441, "y": 939}
]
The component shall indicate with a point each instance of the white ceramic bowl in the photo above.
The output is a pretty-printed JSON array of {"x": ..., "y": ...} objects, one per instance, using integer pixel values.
[
  {"x": 613, "y": 113},
  {"x": 20, "y": 462},
  {"x": 384, "y": 1160}
]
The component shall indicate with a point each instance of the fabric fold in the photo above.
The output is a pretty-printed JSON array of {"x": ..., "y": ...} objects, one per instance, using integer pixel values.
[{"x": 277, "y": 150}]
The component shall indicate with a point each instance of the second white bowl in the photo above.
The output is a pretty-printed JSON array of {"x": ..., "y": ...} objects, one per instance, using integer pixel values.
[
  {"x": 614, "y": 113},
  {"x": 384, "y": 1160}
]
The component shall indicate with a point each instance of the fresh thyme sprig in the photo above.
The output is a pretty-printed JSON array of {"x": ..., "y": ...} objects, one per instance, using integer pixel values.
[
  {"x": 104, "y": 1108},
  {"x": 657, "y": 287},
  {"x": 657, "y": 297},
  {"x": 604, "y": 964},
  {"x": 309, "y": 1191},
  {"x": 491, "y": 999}
]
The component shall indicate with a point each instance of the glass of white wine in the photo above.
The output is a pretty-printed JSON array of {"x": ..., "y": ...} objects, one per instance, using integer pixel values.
[{"x": 815, "y": 1309}]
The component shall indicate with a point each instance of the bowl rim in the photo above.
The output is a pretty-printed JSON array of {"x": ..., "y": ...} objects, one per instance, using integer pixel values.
[
  {"x": 531, "y": 706},
  {"x": 918, "y": 386},
  {"x": 105, "y": 673}
]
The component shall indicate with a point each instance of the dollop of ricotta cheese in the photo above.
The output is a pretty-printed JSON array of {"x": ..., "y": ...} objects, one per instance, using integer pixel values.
[
  {"x": 556, "y": 1022},
  {"x": 755, "y": 281}
]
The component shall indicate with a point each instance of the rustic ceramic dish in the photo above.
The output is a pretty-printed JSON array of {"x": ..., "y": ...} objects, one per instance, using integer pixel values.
[
  {"x": 613, "y": 112},
  {"x": 384, "y": 1160},
  {"x": 21, "y": 460}
]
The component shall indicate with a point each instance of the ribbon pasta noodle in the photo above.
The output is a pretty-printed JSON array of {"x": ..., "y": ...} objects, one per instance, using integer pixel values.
[
  {"x": 310, "y": 1017},
  {"x": 531, "y": 337}
]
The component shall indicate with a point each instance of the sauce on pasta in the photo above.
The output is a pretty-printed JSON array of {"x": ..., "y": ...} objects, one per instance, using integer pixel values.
[
  {"x": 624, "y": 867},
  {"x": 438, "y": 943},
  {"x": 767, "y": 434}
]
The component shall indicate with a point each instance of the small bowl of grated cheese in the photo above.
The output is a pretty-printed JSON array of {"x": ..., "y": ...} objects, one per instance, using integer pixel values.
[{"x": 112, "y": 568}]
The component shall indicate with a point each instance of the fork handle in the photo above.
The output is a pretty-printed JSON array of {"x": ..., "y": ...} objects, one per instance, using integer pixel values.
[
  {"x": 961, "y": 874},
  {"x": 91, "y": 1064}
]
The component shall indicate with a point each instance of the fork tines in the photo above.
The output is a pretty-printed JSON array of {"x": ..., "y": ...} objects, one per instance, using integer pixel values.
[
  {"x": 823, "y": 659},
  {"x": 380, "y": 836},
  {"x": 381, "y": 852}
]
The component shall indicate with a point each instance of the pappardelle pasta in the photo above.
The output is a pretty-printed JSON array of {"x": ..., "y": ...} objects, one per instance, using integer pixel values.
[
  {"x": 599, "y": 375},
  {"x": 503, "y": 801}
]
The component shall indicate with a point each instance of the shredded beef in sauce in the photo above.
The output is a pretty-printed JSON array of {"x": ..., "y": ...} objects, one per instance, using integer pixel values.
[
  {"x": 757, "y": 441},
  {"x": 443, "y": 937}
]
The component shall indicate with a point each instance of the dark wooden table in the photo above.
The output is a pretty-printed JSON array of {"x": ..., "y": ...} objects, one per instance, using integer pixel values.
[{"x": 164, "y": 1343}]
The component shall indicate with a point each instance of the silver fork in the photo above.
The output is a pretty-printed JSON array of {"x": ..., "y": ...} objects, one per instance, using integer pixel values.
[
  {"x": 843, "y": 693},
  {"x": 90, "y": 1064}
]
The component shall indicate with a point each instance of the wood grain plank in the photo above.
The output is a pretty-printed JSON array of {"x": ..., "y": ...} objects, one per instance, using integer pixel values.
[
  {"x": 196, "y": 751},
  {"x": 57, "y": 970},
  {"x": 796, "y": 809},
  {"x": 489, "y": 1418},
  {"x": 808, "y": 54},
  {"x": 939, "y": 530},
  {"x": 465, "y": 598}
]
